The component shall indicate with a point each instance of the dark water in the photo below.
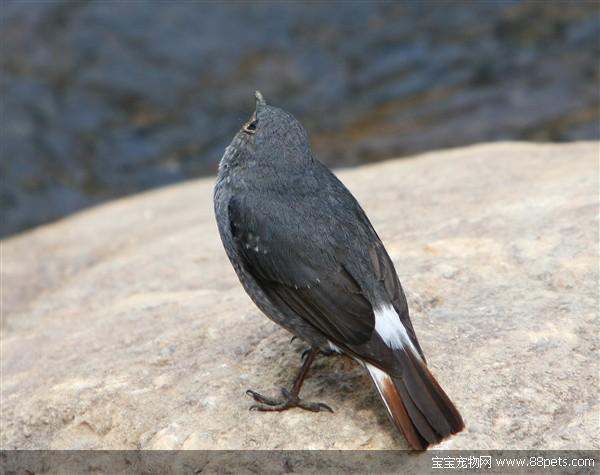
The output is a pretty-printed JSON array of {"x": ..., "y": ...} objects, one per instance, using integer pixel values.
[{"x": 101, "y": 99}]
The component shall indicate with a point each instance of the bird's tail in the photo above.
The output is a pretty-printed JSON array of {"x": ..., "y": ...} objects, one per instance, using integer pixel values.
[{"x": 416, "y": 403}]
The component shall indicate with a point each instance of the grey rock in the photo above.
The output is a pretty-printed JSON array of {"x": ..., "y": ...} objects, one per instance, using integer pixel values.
[{"x": 125, "y": 327}]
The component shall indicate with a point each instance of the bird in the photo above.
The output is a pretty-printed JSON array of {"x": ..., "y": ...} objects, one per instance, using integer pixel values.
[{"x": 308, "y": 256}]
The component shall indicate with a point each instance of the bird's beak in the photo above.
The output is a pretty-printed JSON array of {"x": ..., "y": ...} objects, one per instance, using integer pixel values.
[{"x": 260, "y": 100}]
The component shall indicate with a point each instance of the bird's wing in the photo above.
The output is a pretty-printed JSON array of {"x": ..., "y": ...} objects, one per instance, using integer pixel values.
[
  {"x": 300, "y": 275},
  {"x": 301, "y": 259},
  {"x": 386, "y": 273}
]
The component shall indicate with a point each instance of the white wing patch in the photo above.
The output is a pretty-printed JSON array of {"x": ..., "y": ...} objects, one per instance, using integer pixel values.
[{"x": 390, "y": 329}]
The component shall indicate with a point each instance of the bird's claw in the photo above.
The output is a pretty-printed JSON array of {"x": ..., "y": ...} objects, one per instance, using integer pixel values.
[
  {"x": 315, "y": 406},
  {"x": 288, "y": 401},
  {"x": 260, "y": 398}
]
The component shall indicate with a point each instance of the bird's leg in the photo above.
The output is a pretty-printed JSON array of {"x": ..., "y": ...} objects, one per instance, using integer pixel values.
[
  {"x": 324, "y": 350},
  {"x": 290, "y": 398}
]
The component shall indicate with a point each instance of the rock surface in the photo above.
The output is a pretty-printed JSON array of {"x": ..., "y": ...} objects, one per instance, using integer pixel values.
[
  {"x": 125, "y": 327},
  {"x": 103, "y": 99}
]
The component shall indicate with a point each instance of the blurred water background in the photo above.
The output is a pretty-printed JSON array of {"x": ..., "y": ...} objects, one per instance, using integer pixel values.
[{"x": 100, "y": 99}]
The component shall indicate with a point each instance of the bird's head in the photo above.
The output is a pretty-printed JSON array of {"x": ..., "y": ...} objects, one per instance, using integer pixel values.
[{"x": 271, "y": 137}]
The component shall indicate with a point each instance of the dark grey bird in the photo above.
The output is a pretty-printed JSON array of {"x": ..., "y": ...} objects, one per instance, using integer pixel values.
[{"x": 308, "y": 256}]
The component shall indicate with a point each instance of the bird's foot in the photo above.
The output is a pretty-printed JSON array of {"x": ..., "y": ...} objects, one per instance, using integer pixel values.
[
  {"x": 322, "y": 351},
  {"x": 289, "y": 400}
]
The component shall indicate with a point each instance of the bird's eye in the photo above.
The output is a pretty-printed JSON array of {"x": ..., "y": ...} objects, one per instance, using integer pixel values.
[{"x": 250, "y": 127}]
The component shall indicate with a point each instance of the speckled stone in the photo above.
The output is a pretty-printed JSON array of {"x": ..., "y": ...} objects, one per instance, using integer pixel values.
[{"x": 125, "y": 327}]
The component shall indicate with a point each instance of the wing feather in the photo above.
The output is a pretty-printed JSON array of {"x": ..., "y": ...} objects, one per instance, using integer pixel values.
[
  {"x": 302, "y": 268},
  {"x": 295, "y": 276}
]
